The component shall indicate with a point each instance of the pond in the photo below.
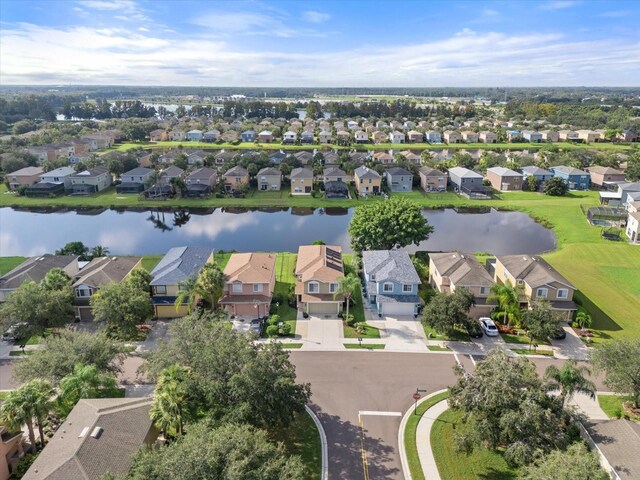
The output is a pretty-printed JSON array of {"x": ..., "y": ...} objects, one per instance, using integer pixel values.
[{"x": 28, "y": 232}]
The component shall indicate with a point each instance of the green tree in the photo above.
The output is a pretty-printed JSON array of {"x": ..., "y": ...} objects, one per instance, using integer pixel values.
[
  {"x": 59, "y": 354},
  {"x": 226, "y": 452},
  {"x": 532, "y": 183},
  {"x": 569, "y": 380},
  {"x": 347, "y": 286},
  {"x": 446, "y": 311},
  {"x": 583, "y": 319},
  {"x": 99, "y": 251},
  {"x": 632, "y": 172},
  {"x": 33, "y": 400},
  {"x": 395, "y": 223},
  {"x": 140, "y": 279},
  {"x": 210, "y": 283},
  {"x": 122, "y": 306},
  {"x": 508, "y": 298},
  {"x": 620, "y": 362},
  {"x": 541, "y": 322},
  {"x": 57, "y": 279},
  {"x": 188, "y": 292},
  {"x": 555, "y": 187},
  {"x": 173, "y": 405},
  {"x": 86, "y": 381},
  {"x": 75, "y": 248},
  {"x": 574, "y": 462}
]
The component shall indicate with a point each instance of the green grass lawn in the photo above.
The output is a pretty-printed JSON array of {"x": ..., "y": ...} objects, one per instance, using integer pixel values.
[
  {"x": 481, "y": 463},
  {"x": 291, "y": 346},
  {"x": 364, "y": 346},
  {"x": 520, "y": 339},
  {"x": 302, "y": 438},
  {"x": 369, "y": 332},
  {"x": 20, "y": 353},
  {"x": 526, "y": 351},
  {"x": 410, "y": 435},
  {"x": 457, "y": 336},
  {"x": 149, "y": 262},
  {"x": 438, "y": 348},
  {"x": 3, "y": 395},
  {"x": 612, "y": 405},
  {"x": 9, "y": 263}
]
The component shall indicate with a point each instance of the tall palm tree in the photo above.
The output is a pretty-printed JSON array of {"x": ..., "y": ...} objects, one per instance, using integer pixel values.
[
  {"x": 188, "y": 291},
  {"x": 570, "y": 379},
  {"x": 86, "y": 381},
  {"x": 171, "y": 406},
  {"x": 347, "y": 286},
  {"x": 583, "y": 320},
  {"x": 99, "y": 251},
  {"x": 508, "y": 298},
  {"x": 211, "y": 283},
  {"x": 22, "y": 405}
]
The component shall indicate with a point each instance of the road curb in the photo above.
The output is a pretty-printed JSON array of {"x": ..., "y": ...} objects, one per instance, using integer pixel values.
[
  {"x": 324, "y": 472},
  {"x": 403, "y": 425}
]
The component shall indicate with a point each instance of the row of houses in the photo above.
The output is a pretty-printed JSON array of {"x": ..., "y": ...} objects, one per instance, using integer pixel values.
[{"x": 75, "y": 148}]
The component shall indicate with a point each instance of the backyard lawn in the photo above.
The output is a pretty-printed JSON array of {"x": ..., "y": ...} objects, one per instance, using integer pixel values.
[{"x": 612, "y": 405}]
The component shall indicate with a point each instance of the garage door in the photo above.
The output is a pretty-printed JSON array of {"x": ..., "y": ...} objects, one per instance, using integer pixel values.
[
  {"x": 324, "y": 308},
  {"x": 398, "y": 308}
]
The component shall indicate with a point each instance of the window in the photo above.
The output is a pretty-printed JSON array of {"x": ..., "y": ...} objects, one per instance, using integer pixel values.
[
  {"x": 407, "y": 288},
  {"x": 160, "y": 289},
  {"x": 83, "y": 292},
  {"x": 387, "y": 287},
  {"x": 520, "y": 281},
  {"x": 313, "y": 287},
  {"x": 238, "y": 179},
  {"x": 236, "y": 288},
  {"x": 483, "y": 290},
  {"x": 257, "y": 287},
  {"x": 542, "y": 293},
  {"x": 563, "y": 293},
  {"x": 333, "y": 287}
]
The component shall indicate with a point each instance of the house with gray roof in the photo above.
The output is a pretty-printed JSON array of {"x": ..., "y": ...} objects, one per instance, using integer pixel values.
[
  {"x": 179, "y": 264},
  {"x": 468, "y": 183},
  {"x": 368, "y": 181},
  {"x": 505, "y": 179},
  {"x": 100, "y": 435},
  {"x": 335, "y": 174},
  {"x": 391, "y": 282},
  {"x": 301, "y": 181},
  {"x": 575, "y": 178},
  {"x": 399, "y": 179},
  {"x": 34, "y": 269},
  {"x": 269, "y": 178},
  {"x": 134, "y": 180},
  {"x": 248, "y": 136},
  {"x": 541, "y": 175},
  {"x": 90, "y": 181},
  {"x": 200, "y": 182},
  {"x": 51, "y": 183}
]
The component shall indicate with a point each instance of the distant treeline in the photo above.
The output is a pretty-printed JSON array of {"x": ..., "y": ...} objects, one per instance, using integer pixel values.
[{"x": 103, "y": 110}]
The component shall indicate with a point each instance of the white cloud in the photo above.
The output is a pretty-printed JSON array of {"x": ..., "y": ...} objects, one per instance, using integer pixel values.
[
  {"x": 315, "y": 17},
  {"x": 559, "y": 4},
  {"x": 128, "y": 9},
  {"x": 616, "y": 14}
]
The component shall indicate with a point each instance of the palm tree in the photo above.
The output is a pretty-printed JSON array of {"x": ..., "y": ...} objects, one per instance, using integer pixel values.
[
  {"x": 22, "y": 405},
  {"x": 347, "y": 285},
  {"x": 569, "y": 379},
  {"x": 171, "y": 403},
  {"x": 188, "y": 291},
  {"x": 99, "y": 251},
  {"x": 210, "y": 283},
  {"x": 86, "y": 381},
  {"x": 508, "y": 298},
  {"x": 583, "y": 320}
]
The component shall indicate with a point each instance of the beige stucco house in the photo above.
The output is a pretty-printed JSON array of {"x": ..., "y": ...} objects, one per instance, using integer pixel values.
[
  {"x": 249, "y": 282},
  {"x": 601, "y": 175},
  {"x": 319, "y": 269},
  {"x": 24, "y": 177},
  {"x": 368, "y": 181},
  {"x": 235, "y": 177},
  {"x": 301, "y": 181},
  {"x": 269, "y": 178}
]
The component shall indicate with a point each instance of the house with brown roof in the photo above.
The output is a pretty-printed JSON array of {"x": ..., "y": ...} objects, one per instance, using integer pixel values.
[
  {"x": 414, "y": 136},
  {"x": 319, "y": 269},
  {"x": 99, "y": 272},
  {"x": 453, "y": 270},
  {"x": 301, "y": 181},
  {"x": 24, "y": 177},
  {"x": 368, "y": 181},
  {"x": 432, "y": 180},
  {"x": 249, "y": 282},
  {"x": 539, "y": 280},
  {"x": 383, "y": 157},
  {"x": 627, "y": 136},
  {"x": 235, "y": 177},
  {"x": 452, "y": 137},
  {"x": 265, "y": 137},
  {"x": 488, "y": 137},
  {"x": 379, "y": 137},
  {"x": 411, "y": 157},
  {"x": 159, "y": 135},
  {"x": 269, "y": 178},
  {"x": 34, "y": 269},
  {"x": 469, "y": 136},
  {"x": 100, "y": 435},
  {"x": 602, "y": 175},
  {"x": 504, "y": 179},
  {"x": 550, "y": 136},
  {"x": 200, "y": 182}
]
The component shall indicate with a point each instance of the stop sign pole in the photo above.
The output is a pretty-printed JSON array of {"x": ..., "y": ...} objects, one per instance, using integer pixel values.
[{"x": 416, "y": 397}]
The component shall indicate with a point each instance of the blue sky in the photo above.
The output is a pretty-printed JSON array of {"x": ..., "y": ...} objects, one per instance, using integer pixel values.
[{"x": 321, "y": 43}]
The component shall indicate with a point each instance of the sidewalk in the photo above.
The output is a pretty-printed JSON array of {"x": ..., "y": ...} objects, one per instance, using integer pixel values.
[{"x": 423, "y": 440}]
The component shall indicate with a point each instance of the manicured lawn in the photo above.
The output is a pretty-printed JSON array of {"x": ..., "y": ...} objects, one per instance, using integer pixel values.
[
  {"x": 20, "y": 353},
  {"x": 520, "y": 339},
  {"x": 416, "y": 195},
  {"x": 438, "y": 348},
  {"x": 410, "y": 435},
  {"x": 285, "y": 280},
  {"x": 369, "y": 332},
  {"x": 481, "y": 463},
  {"x": 364, "y": 346},
  {"x": 291, "y": 346},
  {"x": 9, "y": 263},
  {"x": 457, "y": 336},
  {"x": 612, "y": 405},
  {"x": 149, "y": 262},
  {"x": 268, "y": 194},
  {"x": 302, "y": 438},
  {"x": 526, "y": 351}
]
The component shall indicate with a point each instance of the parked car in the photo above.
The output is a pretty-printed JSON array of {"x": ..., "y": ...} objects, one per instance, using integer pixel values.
[
  {"x": 15, "y": 331},
  {"x": 257, "y": 325},
  {"x": 489, "y": 327},
  {"x": 560, "y": 334},
  {"x": 474, "y": 330}
]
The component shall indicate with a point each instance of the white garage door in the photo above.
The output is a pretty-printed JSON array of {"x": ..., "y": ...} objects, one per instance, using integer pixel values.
[{"x": 397, "y": 309}]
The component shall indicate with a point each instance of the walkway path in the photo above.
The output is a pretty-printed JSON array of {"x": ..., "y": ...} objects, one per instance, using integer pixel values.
[{"x": 423, "y": 440}]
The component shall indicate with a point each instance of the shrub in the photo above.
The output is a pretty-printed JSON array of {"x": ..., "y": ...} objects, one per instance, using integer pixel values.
[
  {"x": 272, "y": 331},
  {"x": 305, "y": 315},
  {"x": 285, "y": 330},
  {"x": 23, "y": 465},
  {"x": 351, "y": 321},
  {"x": 274, "y": 320}
]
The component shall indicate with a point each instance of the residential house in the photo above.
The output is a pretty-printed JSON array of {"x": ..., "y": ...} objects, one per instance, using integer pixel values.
[
  {"x": 265, "y": 137},
  {"x": 269, "y": 179},
  {"x": 378, "y": 137},
  {"x": 540, "y": 174},
  {"x": 488, "y": 137},
  {"x": 171, "y": 173},
  {"x": 396, "y": 137},
  {"x": 433, "y": 137},
  {"x": 84, "y": 145},
  {"x": 588, "y": 136},
  {"x": 531, "y": 136},
  {"x": 103, "y": 140},
  {"x": 344, "y": 137},
  {"x": 196, "y": 157},
  {"x": 200, "y": 182},
  {"x": 538, "y": 279},
  {"x": 194, "y": 135},
  {"x": 248, "y": 136},
  {"x": 98, "y": 437},
  {"x": 358, "y": 157},
  {"x": 335, "y": 174},
  {"x": 211, "y": 136},
  {"x": 452, "y": 137},
  {"x": 177, "y": 266},
  {"x": 51, "y": 183},
  {"x": 381, "y": 124},
  {"x": 301, "y": 181},
  {"x": 330, "y": 157},
  {"x": 633, "y": 226},
  {"x": 99, "y": 272},
  {"x": 35, "y": 269},
  {"x": 575, "y": 178},
  {"x": 235, "y": 177},
  {"x": 625, "y": 193},
  {"x": 325, "y": 136},
  {"x": 514, "y": 135},
  {"x": 90, "y": 181},
  {"x": 277, "y": 157},
  {"x": 63, "y": 149},
  {"x": 469, "y": 136},
  {"x": 627, "y": 136},
  {"x": 391, "y": 282},
  {"x": 351, "y": 124},
  {"x": 159, "y": 135},
  {"x": 399, "y": 179},
  {"x": 504, "y": 179},
  {"x": 569, "y": 136},
  {"x": 550, "y": 136},
  {"x": 177, "y": 135},
  {"x": 601, "y": 176},
  {"x": 368, "y": 181},
  {"x": 319, "y": 269},
  {"x": 432, "y": 180},
  {"x": 230, "y": 136},
  {"x": 306, "y": 137},
  {"x": 42, "y": 153},
  {"x": 395, "y": 125},
  {"x": 460, "y": 177},
  {"x": 414, "y": 136},
  {"x": 24, "y": 177},
  {"x": 383, "y": 157},
  {"x": 134, "y": 180},
  {"x": 304, "y": 157},
  {"x": 249, "y": 281},
  {"x": 453, "y": 270},
  {"x": 408, "y": 125},
  {"x": 411, "y": 157},
  {"x": 11, "y": 450},
  {"x": 289, "y": 137}
]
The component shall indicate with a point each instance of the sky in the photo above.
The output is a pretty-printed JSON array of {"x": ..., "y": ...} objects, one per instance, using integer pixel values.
[{"x": 330, "y": 43}]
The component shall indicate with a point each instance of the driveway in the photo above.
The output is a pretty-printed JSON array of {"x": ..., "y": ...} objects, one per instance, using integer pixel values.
[{"x": 402, "y": 333}]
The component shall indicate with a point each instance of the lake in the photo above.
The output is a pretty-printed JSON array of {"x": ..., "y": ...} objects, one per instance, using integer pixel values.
[{"x": 28, "y": 232}]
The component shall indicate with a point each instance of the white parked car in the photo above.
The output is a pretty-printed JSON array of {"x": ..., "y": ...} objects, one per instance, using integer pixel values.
[{"x": 489, "y": 327}]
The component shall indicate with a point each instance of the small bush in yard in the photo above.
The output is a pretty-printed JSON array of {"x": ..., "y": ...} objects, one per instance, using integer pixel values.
[
  {"x": 274, "y": 319},
  {"x": 351, "y": 321},
  {"x": 272, "y": 330},
  {"x": 285, "y": 330}
]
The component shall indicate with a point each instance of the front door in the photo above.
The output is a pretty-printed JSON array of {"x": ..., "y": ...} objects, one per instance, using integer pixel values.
[{"x": 376, "y": 189}]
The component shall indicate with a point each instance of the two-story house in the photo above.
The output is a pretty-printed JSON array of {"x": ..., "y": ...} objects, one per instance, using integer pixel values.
[
  {"x": 451, "y": 136},
  {"x": 460, "y": 178},
  {"x": 249, "y": 282},
  {"x": 575, "y": 178},
  {"x": 51, "y": 183},
  {"x": 235, "y": 177},
  {"x": 399, "y": 179},
  {"x": 335, "y": 174},
  {"x": 248, "y": 136},
  {"x": 319, "y": 269},
  {"x": 487, "y": 137},
  {"x": 265, "y": 136},
  {"x": 432, "y": 180},
  {"x": 396, "y": 137},
  {"x": 301, "y": 181},
  {"x": 504, "y": 179},
  {"x": 453, "y": 270},
  {"x": 307, "y": 137},
  {"x": 540, "y": 174},
  {"x": 391, "y": 281},
  {"x": 325, "y": 136},
  {"x": 200, "y": 182},
  {"x": 414, "y": 136},
  {"x": 601, "y": 176},
  {"x": 194, "y": 135},
  {"x": 538, "y": 279},
  {"x": 211, "y": 136},
  {"x": 368, "y": 181},
  {"x": 177, "y": 266},
  {"x": 134, "y": 180},
  {"x": 433, "y": 137},
  {"x": 24, "y": 177},
  {"x": 99, "y": 272},
  {"x": 269, "y": 178},
  {"x": 289, "y": 137},
  {"x": 90, "y": 181},
  {"x": 35, "y": 269}
]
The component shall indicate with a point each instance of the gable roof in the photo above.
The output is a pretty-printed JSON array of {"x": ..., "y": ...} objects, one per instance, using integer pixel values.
[
  {"x": 334, "y": 172},
  {"x": 462, "y": 269},
  {"x": 103, "y": 270},
  {"x": 301, "y": 172},
  {"x": 399, "y": 171},
  {"x": 139, "y": 171},
  {"x": 76, "y": 452},
  {"x": 173, "y": 171},
  {"x": 250, "y": 267},
  {"x": 236, "y": 171},
  {"x": 27, "y": 171},
  {"x": 202, "y": 172},
  {"x": 532, "y": 269},
  {"x": 319, "y": 262},
  {"x": 503, "y": 172},
  {"x": 365, "y": 172},
  {"x": 568, "y": 170},
  {"x": 35, "y": 269},
  {"x": 392, "y": 265},
  {"x": 462, "y": 172},
  {"x": 59, "y": 172},
  {"x": 428, "y": 172},
  {"x": 93, "y": 172},
  {"x": 178, "y": 264},
  {"x": 269, "y": 171},
  {"x": 536, "y": 171}
]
